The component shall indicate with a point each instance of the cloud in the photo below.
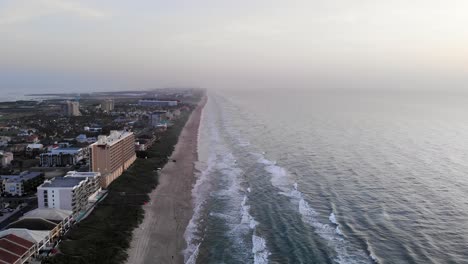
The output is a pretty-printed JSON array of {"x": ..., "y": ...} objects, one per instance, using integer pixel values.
[{"x": 23, "y": 11}]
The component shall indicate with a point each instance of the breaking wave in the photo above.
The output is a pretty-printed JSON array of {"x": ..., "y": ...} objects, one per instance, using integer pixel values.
[{"x": 345, "y": 252}]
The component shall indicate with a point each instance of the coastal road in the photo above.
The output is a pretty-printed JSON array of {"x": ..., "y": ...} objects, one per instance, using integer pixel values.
[{"x": 32, "y": 204}]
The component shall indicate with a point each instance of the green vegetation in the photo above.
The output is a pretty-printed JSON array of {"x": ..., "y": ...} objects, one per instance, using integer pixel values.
[
  {"x": 30, "y": 186},
  {"x": 105, "y": 235}
]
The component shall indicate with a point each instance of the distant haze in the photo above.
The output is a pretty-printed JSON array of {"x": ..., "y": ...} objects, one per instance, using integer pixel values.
[{"x": 66, "y": 45}]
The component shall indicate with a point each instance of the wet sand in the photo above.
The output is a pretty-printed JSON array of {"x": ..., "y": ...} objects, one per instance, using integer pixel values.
[{"x": 160, "y": 238}]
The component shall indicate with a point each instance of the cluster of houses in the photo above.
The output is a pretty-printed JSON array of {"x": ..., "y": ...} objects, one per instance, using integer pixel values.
[
  {"x": 34, "y": 235},
  {"x": 63, "y": 154},
  {"x": 63, "y": 201}
]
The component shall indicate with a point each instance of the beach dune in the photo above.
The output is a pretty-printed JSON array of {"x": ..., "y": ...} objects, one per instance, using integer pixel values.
[{"x": 160, "y": 238}]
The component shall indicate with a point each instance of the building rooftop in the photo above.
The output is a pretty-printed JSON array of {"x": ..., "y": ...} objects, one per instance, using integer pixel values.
[
  {"x": 65, "y": 150},
  {"x": 159, "y": 112},
  {"x": 51, "y": 214},
  {"x": 33, "y": 224},
  {"x": 18, "y": 240},
  {"x": 12, "y": 248},
  {"x": 7, "y": 257},
  {"x": 155, "y": 100},
  {"x": 35, "y": 146},
  {"x": 34, "y": 236},
  {"x": 84, "y": 174},
  {"x": 62, "y": 182},
  {"x": 113, "y": 137},
  {"x": 24, "y": 176}
]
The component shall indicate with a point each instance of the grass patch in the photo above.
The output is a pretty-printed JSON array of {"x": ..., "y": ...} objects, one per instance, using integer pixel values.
[{"x": 105, "y": 235}]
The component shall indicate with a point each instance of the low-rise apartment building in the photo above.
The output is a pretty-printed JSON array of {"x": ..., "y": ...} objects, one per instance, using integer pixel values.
[
  {"x": 61, "y": 157},
  {"x": 18, "y": 185},
  {"x": 70, "y": 192}
]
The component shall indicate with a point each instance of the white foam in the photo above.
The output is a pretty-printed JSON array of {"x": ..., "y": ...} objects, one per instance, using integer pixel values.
[
  {"x": 191, "y": 234},
  {"x": 259, "y": 250},
  {"x": 244, "y": 144},
  {"x": 221, "y": 216},
  {"x": 305, "y": 209},
  {"x": 276, "y": 170},
  {"x": 338, "y": 231},
  {"x": 345, "y": 255},
  {"x": 371, "y": 253},
  {"x": 281, "y": 179},
  {"x": 263, "y": 160},
  {"x": 222, "y": 165},
  {"x": 332, "y": 218},
  {"x": 192, "y": 259},
  {"x": 247, "y": 219},
  {"x": 202, "y": 187}
]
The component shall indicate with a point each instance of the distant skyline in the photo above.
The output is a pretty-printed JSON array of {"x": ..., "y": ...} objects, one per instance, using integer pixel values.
[{"x": 65, "y": 45}]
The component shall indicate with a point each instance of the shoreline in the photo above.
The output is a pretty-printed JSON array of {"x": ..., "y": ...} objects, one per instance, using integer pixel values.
[{"x": 160, "y": 237}]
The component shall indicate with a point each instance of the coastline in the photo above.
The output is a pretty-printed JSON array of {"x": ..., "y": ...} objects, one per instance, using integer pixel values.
[{"x": 160, "y": 237}]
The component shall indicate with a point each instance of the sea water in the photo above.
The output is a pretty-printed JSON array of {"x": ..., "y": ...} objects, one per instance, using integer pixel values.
[{"x": 331, "y": 177}]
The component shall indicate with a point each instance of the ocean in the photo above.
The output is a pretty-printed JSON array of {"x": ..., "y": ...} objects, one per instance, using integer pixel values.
[{"x": 331, "y": 177}]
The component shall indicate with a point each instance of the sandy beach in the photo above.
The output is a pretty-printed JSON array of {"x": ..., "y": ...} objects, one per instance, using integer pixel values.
[{"x": 160, "y": 238}]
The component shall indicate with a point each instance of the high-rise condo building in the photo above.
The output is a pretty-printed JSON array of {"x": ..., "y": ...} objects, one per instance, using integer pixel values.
[
  {"x": 108, "y": 105},
  {"x": 112, "y": 155},
  {"x": 71, "y": 108}
]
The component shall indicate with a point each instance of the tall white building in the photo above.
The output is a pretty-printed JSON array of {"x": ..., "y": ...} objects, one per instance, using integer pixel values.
[
  {"x": 70, "y": 192},
  {"x": 71, "y": 108},
  {"x": 108, "y": 105}
]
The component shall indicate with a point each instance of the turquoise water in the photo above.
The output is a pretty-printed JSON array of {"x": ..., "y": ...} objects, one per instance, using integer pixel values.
[{"x": 323, "y": 177}]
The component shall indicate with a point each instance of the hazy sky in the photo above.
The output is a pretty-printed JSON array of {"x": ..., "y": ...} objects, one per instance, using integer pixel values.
[{"x": 119, "y": 44}]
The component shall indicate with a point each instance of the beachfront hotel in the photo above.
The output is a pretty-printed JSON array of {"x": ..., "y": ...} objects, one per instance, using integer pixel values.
[{"x": 112, "y": 155}]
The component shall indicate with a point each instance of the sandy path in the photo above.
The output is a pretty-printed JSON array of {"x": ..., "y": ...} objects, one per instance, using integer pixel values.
[{"x": 160, "y": 238}]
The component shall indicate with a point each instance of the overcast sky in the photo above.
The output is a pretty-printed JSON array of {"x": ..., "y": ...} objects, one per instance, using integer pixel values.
[{"x": 48, "y": 45}]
